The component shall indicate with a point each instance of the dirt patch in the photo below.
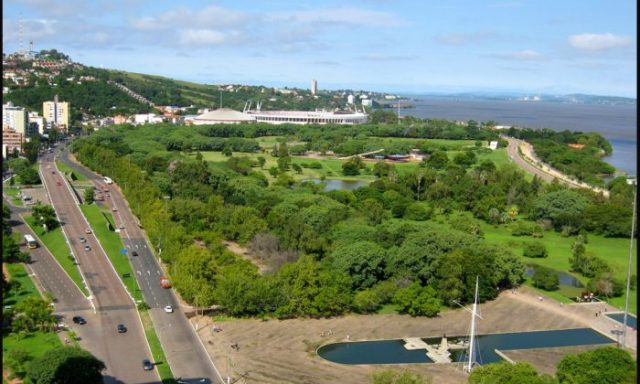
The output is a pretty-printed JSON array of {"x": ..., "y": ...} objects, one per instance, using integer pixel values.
[
  {"x": 283, "y": 351},
  {"x": 245, "y": 254}
]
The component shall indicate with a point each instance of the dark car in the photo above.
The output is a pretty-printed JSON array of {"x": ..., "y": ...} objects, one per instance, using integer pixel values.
[
  {"x": 146, "y": 365},
  {"x": 79, "y": 320},
  {"x": 122, "y": 328},
  {"x": 134, "y": 253}
]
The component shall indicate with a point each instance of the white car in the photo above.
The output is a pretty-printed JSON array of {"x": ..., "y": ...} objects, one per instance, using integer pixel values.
[{"x": 168, "y": 309}]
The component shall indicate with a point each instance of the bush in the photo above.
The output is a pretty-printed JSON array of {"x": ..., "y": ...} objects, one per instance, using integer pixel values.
[
  {"x": 535, "y": 249},
  {"x": 545, "y": 278},
  {"x": 417, "y": 301},
  {"x": 525, "y": 228},
  {"x": 418, "y": 212},
  {"x": 366, "y": 301}
]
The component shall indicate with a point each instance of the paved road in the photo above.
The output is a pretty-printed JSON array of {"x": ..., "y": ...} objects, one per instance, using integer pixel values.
[
  {"x": 121, "y": 353},
  {"x": 184, "y": 350},
  {"x": 544, "y": 172}
]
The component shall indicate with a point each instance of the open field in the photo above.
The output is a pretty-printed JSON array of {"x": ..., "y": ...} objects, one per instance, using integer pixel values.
[
  {"x": 283, "y": 351},
  {"x": 157, "y": 353},
  {"x": 112, "y": 244},
  {"x": 615, "y": 251},
  {"x": 56, "y": 244},
  {"x": 13, "y": 193},
  {"x": 18, "y": 273},
  {"x": 62, "y": 167}
]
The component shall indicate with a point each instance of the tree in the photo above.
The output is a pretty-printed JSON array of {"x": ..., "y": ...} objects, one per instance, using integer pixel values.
[
  {"x": 438, "y": 160},
  {"x": 507, "y": 373},
  {"x": 261, "y": 161},
  {"x": 227, "y": 151},
  {"x": 465, "y": 159},
  {"x": 607, "y": 365},
  {"x": 394, "y": 377},
  {"x": 562, "y": 207},
  {"x": 297, "y": 168},
  {"x": 29, "y": 176},
  {"x": 17, "y": 360},
  {"x": 33, "y": 314},
  {"x": 31, "y": 149},
  {"x": 535, "y": 249},
  {"x": 373, "y": 210},
  {"x": 89, "y": 195},
  {"x": 417, "y": 301},
  {"x": 6, "y": 215},
  {"x": 45, "y": 214},
  {"x": 545, "y": 278},
  {"x": 283, "y": 163},
  {"x": 69, "y": 365},
  {"x": 352, "y": 166},
  {"x": 364, "y": 261}
]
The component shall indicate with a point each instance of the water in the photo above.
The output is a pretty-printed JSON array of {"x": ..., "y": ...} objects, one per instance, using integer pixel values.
[
  {"x": 617, "y": 123},
  {"x": 332, "y": 185},
  {"x": 632, "y": 321},
  {"x": 565, "y": 278},
  {"x": 393, "y": 351}
]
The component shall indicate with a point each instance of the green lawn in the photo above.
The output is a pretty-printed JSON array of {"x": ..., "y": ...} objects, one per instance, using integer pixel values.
[
  {"x": 112, "y": 244},
  {"x": 66, "y": 169},
  {"x": 35, "y": 344},
  {"x": 614, "y": 251},
  {"x": 13, "y": 193},
  {"x": 24, "y": 287},
  {"x": 164, "y": 370},
  {"x": 54, "y": 241}
]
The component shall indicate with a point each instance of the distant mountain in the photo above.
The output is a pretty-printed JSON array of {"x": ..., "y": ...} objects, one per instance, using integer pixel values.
[{"x": 574, "y": 98}]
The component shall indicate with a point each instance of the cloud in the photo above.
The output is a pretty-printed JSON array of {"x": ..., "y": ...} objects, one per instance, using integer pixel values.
[
  {"x": 384, "y": 57},
  {"x": 598, "y": 42},
  {"x": 525, "y": 55},
  {"x": 348, "y": 16},
  {"x": 464, "y": 38},
  {"x": 210, "y": 17},
  {"x": 202, "y": 37}
]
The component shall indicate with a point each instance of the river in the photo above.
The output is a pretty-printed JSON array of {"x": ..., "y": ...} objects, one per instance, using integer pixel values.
[{"x": 617, "y": 123}]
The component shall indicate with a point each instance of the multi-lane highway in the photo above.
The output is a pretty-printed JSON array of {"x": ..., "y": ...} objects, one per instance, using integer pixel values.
[
  {"x": 122, "y": 353},
  {"x": 184, "y": 350}
]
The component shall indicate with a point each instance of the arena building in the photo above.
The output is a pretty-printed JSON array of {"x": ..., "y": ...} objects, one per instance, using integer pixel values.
[
  {"x": 308, "y": 117},
  {"x": 223, "y": 116}
]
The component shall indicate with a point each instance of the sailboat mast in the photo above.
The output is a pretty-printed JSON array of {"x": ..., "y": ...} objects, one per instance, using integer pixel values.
[{"x": 473, "y": 328}]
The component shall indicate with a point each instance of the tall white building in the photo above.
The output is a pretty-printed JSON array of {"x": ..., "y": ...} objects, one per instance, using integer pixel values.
[
  {"x": 15, "y": 118},
  {"x": 350, "y": 99},
  {"x": 314, "y": 87},
  {"x": 56, "y": 114}
]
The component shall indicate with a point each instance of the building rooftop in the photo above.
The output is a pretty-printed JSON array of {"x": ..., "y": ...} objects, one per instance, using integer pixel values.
[{"x": 225, "y": 114}]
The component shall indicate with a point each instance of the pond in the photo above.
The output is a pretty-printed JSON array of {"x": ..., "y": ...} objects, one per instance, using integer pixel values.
[
  {"x": 565, "y": 278},
  {"x": 333, "y": 185},
  {"x": 632, "y": 321},
  {"x": 393, "y": 351}
]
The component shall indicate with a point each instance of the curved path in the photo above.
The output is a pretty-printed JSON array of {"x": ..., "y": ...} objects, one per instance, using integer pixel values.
[{"x": 529, "y": 162}]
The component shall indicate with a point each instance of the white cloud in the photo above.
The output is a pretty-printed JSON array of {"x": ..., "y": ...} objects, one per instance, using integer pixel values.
[
  {"x": 202, "y": 37},
  {"x": 384, "y": 57},
  {"x": 598, "y": 42},
  {"x": 457, "y": 38},
  {"x": 210, "y": 17},
  {"x": 341, "y": 15},
  {"x": 525, "y": 55}
]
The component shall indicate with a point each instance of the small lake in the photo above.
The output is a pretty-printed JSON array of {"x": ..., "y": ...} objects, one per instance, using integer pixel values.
[
  {"x": 393, "y": 351},
  {"x": 565, "y": 278},
  {"x": 632, "y": 321},
  {"x": 333, "y": 185}
]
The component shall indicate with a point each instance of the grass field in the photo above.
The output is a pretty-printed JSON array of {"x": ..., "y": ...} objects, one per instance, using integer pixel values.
[
  {"x": 156, "y": 349},
  {"x": 66, "y": 169},
  {"x": 54, "y": 241},
  {"x": 112, "y": 244},
  {"x": 614, "y": 251},
  {"x": 13, "y": 193},
  {"x": 25, "y": 286},
  {"x": 35, "y": 344}
]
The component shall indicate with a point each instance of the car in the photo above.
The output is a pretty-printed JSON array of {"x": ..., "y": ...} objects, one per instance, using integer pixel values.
[
  {"x": 134, "y": 253},
  {"x": 59, "y": 183},
  {"x": 79, "y": 320},
  {"x": 168, "y": 309},
  {"x": 122, "y": 226},
  {"x": 146, "y": 365},
  {"x": 87, "y": 248},
  {"x": 87, "y": 231},
  {"x": 114, "y": 209},
  {"x": 82, "y": 239},
  {"x": 122, "y": 328},
  {"x": 53, "y": 172}
]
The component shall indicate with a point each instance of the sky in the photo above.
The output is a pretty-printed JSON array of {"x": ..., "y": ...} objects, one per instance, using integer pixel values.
[{"x": 427, "y": 46}]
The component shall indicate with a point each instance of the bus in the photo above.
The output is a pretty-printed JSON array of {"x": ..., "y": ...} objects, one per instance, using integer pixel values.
[{"x": 31, "y": 242}]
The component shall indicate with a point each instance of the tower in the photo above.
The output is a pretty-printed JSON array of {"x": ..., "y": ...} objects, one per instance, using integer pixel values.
[{"x": 314, "y": 87}]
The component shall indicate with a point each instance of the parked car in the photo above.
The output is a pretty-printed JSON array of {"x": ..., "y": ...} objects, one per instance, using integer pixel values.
[
  {"x": 122, "y": 328},
  {"x": 87, "y": 231},
  {"x": 134, "y": 253},
  {"x": 168, "y": 309},
  {"x": 87, "y": 248},
  {"x": 82, "y": 239},
  {"x": 79, "y": 320},
  {"x": 146, "y": 365}
]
